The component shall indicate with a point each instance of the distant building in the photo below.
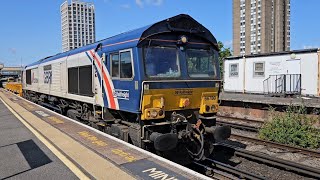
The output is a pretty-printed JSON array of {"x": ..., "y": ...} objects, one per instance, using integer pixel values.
[
  {"x": 10, "y": 71},
  {"x": 261, "y": 26},
  {"x": 77, "y": 24}
]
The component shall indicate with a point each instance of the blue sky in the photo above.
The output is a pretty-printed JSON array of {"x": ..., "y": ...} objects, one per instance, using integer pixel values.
[{"x": 30, "y": 29}]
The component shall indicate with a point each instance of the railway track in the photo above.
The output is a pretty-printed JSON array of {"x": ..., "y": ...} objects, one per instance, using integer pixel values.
[
  {"x": 289, "y": 148},
  {"x": 277, "y": 162},
  {"x": 238, "y": 126},
  {"x": 239, "y": 123},
  {"x": 221, "y": 170},
  {"x": 220, "y": 117}
]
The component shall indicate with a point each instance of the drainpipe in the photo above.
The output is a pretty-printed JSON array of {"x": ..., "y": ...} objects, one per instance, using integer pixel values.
[
  {"x": 318, "y": 89},
  {"x": 244, "y": 75}
]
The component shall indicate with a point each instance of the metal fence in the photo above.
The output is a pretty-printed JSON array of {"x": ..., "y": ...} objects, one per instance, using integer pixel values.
[{"x": 282, "y": 84}]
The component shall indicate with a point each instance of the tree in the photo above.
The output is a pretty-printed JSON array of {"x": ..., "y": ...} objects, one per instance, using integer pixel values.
[{"x": 223, "y": 53}]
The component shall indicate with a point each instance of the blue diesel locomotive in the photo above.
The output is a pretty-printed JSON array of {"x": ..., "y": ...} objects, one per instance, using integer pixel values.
[{"x": 156, "y": 87}]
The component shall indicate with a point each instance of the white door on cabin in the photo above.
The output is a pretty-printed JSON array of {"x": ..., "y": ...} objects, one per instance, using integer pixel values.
[
  {"x": 293, "y": 66},
  {"x": 293, "y": 77}
]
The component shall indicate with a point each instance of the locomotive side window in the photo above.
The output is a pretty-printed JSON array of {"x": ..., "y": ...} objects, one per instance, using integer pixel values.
[
  {"x": 121, "y": 65},
  {"x": 115, "y": 65},
  {"x": 125, "y": 65},
  {"x": 28, "y": 76}
]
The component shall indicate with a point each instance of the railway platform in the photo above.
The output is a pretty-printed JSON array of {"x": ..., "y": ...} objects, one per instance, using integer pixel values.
[
  {"x": 36, "y": 143},
  {"x": 311, "y": 102},
  {"x": 257, "y": 106}
]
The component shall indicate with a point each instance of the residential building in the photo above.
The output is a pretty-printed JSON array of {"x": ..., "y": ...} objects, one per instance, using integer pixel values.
[
  {"x": 77, "y": 24},
  {"x": 261, "y": 26}
]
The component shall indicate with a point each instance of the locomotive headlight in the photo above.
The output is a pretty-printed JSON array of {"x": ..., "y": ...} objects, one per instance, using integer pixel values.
[
  {"x": 213, "y": 108},
  {"x": 207, "y": 108},
  {"x": 217, "y": 85},
  {"x": 153, "y": 113},
  {"x": 184, "y": 39}
]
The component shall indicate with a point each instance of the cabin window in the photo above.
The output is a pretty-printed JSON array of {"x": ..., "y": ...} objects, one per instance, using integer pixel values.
[
  {"x": 234, "y": 70},
  {"x": 115, "y": 65},
  {"x": 258, "y": 68},
  {"x": 125, "y": 65},
  {"x": 28, "y": 76},
  {"x": 121, "y": 65}
]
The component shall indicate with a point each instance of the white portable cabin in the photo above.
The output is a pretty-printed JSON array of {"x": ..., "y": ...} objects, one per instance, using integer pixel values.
[{"x": 263, "y": 73}]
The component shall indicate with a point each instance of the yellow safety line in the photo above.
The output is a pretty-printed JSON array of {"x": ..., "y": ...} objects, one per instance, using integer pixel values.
[{"x": 54, "y": 150}]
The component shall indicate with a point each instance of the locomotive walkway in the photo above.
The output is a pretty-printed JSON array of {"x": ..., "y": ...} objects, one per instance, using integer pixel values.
[{"x": 36, "y": 143}]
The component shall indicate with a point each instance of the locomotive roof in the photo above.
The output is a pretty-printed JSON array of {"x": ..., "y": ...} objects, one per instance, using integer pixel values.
[{"x": 132, "y": 38}]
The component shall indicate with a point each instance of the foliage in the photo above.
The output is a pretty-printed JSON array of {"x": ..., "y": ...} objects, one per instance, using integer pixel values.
[
  {"x": 293, "y": 127},
  {"x": 223, "y": 53}
]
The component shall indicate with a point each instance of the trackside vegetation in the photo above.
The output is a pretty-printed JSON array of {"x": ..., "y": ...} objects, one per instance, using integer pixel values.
[{"x": 294, "y": 127}]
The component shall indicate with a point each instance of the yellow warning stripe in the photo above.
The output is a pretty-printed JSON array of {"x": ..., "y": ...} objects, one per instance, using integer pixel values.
[{"x": 54, "y": 150}]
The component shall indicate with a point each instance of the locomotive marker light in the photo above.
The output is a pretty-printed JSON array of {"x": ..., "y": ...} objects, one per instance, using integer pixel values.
[{"x": 182, "y": 40}]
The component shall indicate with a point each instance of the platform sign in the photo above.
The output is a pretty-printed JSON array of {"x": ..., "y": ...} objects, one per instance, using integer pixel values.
[{"x": 150, "y": 170}]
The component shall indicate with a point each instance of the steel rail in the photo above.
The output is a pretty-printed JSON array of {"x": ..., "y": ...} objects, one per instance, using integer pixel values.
[
  {"x": 216, "y": 174},
  {"x": 235, "y": 171},
  {"x": 238, "y": 126},
  {"x": 304, "y": 151},
  {"x": 289, "y": 165},
  {"x": 240, "y": 119}
]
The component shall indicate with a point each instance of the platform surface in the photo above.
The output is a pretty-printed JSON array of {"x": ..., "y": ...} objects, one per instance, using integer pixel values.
[
  {"x": 36, "y": 143},
  {"x": 23, "y": 156},
  {"x": 312, "y": 102}
]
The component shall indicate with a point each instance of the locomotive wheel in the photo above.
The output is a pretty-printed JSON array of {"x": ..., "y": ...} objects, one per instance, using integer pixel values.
[{"x": 71, "y": 113}]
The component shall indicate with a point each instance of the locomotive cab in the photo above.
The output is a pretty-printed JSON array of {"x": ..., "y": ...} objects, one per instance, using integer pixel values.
[{"x": 180, "y": 89}]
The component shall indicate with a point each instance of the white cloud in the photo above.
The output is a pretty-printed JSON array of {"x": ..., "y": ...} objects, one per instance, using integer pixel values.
[
  {"x": 227, "y": 44},
  {"x": 155, "y": 2},
  {"x": 141, "y": 3},
  {"x": 12, "y": 50},
  {"x": 125, "y": 6}
]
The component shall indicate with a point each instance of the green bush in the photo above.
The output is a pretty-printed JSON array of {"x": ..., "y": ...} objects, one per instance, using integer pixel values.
[{"x": 293, "y": 127}]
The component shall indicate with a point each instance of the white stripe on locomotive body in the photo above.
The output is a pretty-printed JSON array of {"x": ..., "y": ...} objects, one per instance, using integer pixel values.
[
  {"x": 102, "y": 72},
  {"x": 99, "y": 71},
  {"x": 105, "y": 70},
  {"x": 59, "y": 83}
]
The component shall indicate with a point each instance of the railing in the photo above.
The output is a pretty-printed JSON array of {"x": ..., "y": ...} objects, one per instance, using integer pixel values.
[{"x": 282, "y": 84}]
